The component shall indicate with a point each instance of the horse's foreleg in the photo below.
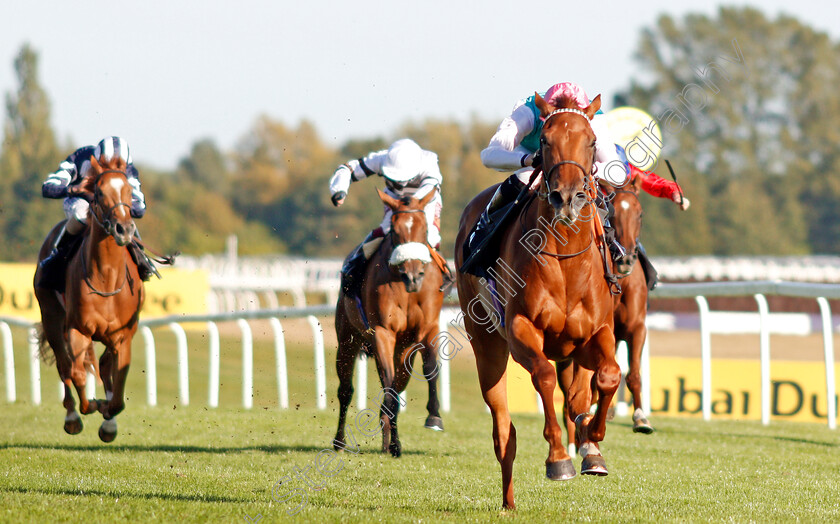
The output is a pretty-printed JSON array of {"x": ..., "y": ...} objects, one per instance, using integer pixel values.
[
  {"x": 385, "y": 341},
  {"x": 590, "y": 429},
  {"x": 635, "y": 344},
  {"x": 431, "y": 372},
  {"x": 78, "y": 346},
  {"x": 114, "y": 374},
  {"x": 527, "y": 343}
]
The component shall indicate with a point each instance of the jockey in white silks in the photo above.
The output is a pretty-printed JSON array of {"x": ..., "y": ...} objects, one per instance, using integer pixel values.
[{"x": 409, "y": 171}]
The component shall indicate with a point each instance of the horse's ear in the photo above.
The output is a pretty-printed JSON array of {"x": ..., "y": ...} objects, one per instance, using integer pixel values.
[
  {"x": 593, "y": 108},
  {"x": 427, "y": 198},
  {"x": 95, "y": 165},
  {"x": 388, "y": 200},
  {"x": 635, "y": 184},
  {"x": 542, "y": 105}
]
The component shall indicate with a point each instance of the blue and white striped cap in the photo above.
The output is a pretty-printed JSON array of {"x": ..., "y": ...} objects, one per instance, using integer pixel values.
[{"x": 112, "y": 147}]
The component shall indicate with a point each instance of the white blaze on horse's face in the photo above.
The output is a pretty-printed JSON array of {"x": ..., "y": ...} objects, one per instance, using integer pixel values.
[{"x": 115, "y": 207}]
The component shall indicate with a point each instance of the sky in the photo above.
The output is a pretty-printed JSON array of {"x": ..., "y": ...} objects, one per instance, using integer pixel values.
[{"x": 165, "y": 74}]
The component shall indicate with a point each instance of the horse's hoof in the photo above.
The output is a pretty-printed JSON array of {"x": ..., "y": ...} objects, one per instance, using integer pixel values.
[
  {"x": 641, "y": 423},
  {"x": 594, "y": 465},
  {"x": 560, "y": 470},
  {"x": 396, "y": 449},
  {"x": 73, "y": 424},
  {"x": 642, "y": 426},
  {"x": 434, "y": 423},
  {"x": 108, "y": 430}
]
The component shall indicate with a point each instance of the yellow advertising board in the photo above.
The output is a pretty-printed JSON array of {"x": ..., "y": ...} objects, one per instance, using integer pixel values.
[
  {"x": 180, "y": 291},
  {"x": 797, "y": 389}
]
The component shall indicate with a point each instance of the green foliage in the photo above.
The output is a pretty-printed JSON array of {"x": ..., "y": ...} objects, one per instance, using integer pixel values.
[
  {"x": 29, "y": 152},
  {"x": 758, "y": 147}
]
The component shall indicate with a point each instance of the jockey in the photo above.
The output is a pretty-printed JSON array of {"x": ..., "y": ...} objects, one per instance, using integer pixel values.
[
  {"x": 409, "y": 171},
  {"x": 652, "y": 183},
  {"x": 65, "y": 183},
  {"x": 516, "y": 144}
]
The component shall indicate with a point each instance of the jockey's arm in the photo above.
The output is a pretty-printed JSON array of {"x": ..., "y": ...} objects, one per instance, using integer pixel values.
[
  {"x": 657, "y": 186},
  {"x": 504, "y": 153},
  {"x": 355, "y": 170},
  {"x": 138, "y": 199},
  {"x": 608, "y": 166},
  {"x": 55, "y": 186}
]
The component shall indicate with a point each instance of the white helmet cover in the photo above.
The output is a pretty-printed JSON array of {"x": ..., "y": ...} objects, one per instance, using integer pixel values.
[
  {"x": 112, "y": 147},
  {"x": 403, "y": 160}
]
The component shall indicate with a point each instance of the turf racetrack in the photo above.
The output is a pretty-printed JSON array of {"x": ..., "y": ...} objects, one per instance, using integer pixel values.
[{"x": 195, "y": 464}]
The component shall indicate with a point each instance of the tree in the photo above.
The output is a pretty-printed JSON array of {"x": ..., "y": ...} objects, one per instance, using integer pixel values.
[
  {"x": 29, "y": 153},
  {"x": 748, "y": 105}
]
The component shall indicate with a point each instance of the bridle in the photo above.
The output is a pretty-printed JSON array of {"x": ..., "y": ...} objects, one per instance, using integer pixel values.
[
  {"x": 634, "y": 256},
  {"x": 391, "y": 234},
  {"x": 587, "y": 181},
  {"x": 107, "y": 225},
  {"x": 106, "y": 222}
]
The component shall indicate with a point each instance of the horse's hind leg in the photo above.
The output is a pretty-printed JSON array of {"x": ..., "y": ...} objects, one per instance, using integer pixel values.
[
  {"x": 345, "y": 362},
  {"x": 491, "y": 358},
  {"x": 565, "y": 375}
]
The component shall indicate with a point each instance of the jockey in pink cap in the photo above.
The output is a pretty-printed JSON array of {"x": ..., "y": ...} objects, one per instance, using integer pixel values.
[{"x": 514, "y": 147}]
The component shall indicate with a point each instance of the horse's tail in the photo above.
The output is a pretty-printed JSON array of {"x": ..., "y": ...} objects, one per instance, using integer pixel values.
[{"x": 44, "y": 350}]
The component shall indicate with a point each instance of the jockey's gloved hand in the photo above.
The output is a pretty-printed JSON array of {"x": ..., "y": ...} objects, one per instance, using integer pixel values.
[
  {"x": 533, "y": 160},
  {"x": 680, "y": 200},
  {"x": 338, "y": 198}
]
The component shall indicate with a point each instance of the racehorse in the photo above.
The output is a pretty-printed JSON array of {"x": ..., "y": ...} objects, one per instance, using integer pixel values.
[
  {"x": 395, "y": 316},
  {"x": 630, "y": 305},
  {"x": 564, "y": 312},
  {"x": 101, "y": 300}
]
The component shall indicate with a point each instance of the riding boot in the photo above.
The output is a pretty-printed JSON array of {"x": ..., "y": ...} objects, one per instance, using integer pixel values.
[
  {"x": 651, "y": 276},
  {"x": 617, "y": 251},
  {"x": 53, "y": 267},
  {"x": 354, "y": 265},
  {"x": 145, "y": 268},
  {"x": 487, "y": 225}
]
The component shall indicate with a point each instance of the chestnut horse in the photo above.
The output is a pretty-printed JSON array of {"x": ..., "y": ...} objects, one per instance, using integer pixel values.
[
  {"x": 630, "y": 305},
  {"x": 564, "y": 312},
  {"x": 396, "y": 316},
  {"x": 101, "y": 301}
]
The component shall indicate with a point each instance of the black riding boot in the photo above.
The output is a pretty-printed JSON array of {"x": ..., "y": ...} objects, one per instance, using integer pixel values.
[
  {"x": 352, "y": 272},
  {"x": 651, "y": 276},
  {"x": 487, "y": 224},
  {"x": 145, "y": 268},
  {"x": 53, "y": 267}
]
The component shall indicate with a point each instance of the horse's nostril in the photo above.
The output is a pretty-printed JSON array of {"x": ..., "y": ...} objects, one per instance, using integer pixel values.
[
  {"x": 120, "y": 229},
  {"x": 555, "y": 199}
]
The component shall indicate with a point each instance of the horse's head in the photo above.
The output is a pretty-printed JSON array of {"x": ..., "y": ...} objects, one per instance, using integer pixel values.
[
  {"x": 627, "y": 222},
  {"x": 410, "y": 252},
  {"x": 109, "y": 193},
  {"x": 567, "y": 145}
]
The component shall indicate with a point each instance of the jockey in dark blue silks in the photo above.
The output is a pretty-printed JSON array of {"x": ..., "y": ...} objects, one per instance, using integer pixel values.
[{"x": 64, "y": 183}]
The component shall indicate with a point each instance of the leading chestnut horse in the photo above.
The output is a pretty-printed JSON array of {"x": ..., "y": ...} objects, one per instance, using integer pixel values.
[
  {"x": 101, "y": 301},
  {"x": 395, "y": 317},
  {"x": 553, "y": 299}
]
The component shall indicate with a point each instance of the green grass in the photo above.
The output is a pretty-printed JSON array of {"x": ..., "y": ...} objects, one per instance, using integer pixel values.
[{"x": 194, "y": 464}]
